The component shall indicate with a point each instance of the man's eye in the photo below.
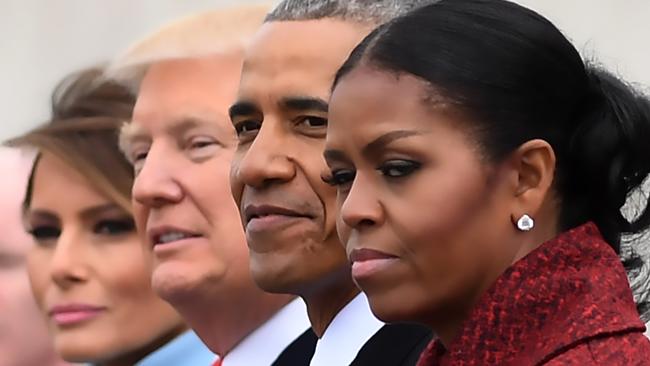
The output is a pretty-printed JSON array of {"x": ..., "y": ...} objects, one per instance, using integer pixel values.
[
  {"x": 138, "y": 161},
  {"x": 312, "y": 121},
  {"x": 138, "y": 153},
  {"x": 139, "y": 156},
  {"x": 398, "y": 168},
  {"x": 247, "y": 127},
  {"x": 199, "y": 143}
]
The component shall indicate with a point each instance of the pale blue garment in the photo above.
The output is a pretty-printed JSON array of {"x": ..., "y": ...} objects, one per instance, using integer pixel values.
[{"x": 184, "y": 350}]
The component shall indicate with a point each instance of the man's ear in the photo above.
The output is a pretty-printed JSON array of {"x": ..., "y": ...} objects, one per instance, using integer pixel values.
[{"x": 533, "y": 165}]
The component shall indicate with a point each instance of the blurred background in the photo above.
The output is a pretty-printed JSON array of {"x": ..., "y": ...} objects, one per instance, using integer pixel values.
[{"x": 41, "y": 40}]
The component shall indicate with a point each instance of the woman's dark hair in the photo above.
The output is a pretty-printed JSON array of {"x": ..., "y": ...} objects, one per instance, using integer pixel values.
[
  {"x": 87, "y": 114},
  {"x": 519, "y": 78}
]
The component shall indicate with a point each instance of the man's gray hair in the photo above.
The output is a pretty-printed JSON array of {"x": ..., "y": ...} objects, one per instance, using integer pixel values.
[{"x": 373, "y": 12}]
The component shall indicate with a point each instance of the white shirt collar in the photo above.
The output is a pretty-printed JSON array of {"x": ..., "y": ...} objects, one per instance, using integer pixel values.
[
  {"x": 351, "y": 328},
  {"x": 265, "y": 343}
]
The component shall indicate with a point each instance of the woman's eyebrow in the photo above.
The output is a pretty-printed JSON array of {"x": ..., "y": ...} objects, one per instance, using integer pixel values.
[{"x": 380, "y": 142}]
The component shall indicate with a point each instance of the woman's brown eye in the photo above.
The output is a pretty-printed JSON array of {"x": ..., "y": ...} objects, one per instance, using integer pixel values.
[
  {"x": 398, "y": 168},
  {"x": 44, "y": 232},
  {"x": 339, "y": 177},
  {"x": 114, "y": 227}
]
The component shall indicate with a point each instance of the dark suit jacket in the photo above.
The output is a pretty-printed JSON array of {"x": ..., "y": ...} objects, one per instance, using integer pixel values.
[
  {"x": 299, "y": 352},
  {"x": 392, "y": 345}
]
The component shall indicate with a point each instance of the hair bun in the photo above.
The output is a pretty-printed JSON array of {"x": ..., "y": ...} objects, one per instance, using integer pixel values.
[{"x": 611, "y": 150}]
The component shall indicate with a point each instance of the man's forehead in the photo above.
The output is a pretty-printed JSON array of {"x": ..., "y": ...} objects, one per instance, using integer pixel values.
[
  {"x": 303, "y": 43},
  {"x": 214, "y": 74},
  {"x": 297, "y": 58},
  {"x": 189, "y": 89},
  {"x": 175, "y": 123}
]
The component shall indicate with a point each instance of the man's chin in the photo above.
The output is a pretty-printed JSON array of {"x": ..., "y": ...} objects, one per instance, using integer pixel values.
[
  {"x": 175, "y": 284},
  {"x": 279, "y": 281}
]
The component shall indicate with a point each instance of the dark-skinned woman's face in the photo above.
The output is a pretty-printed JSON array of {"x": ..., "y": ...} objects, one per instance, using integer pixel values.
[{"x": 424, "y": 219}]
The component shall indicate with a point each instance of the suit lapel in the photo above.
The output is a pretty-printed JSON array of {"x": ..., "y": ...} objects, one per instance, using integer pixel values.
[
  {"x": 299, "y": 352},
  {"x": 394, "y": 345}
]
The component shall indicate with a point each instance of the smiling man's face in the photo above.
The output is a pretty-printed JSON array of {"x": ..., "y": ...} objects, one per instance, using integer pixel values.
[
  {"x": 181, "y": 144},
  {"x": 281, "y": 118}
]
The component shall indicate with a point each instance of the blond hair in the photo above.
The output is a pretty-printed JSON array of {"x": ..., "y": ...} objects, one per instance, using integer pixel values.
[{"x": 214, "y": 32}]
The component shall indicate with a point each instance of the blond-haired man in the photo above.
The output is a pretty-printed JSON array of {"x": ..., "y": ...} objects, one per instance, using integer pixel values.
[{"x": 180, "y": 143}]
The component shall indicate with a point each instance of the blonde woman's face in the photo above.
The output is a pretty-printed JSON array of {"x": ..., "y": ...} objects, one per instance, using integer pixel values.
[{"x": 88, "y": 272}]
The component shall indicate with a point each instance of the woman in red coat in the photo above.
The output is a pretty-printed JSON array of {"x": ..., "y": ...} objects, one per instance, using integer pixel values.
[{"x": 481, "y": 167}]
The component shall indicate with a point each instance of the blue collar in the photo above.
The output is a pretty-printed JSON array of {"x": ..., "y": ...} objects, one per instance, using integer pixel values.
[{"x": 186, "y": 349}]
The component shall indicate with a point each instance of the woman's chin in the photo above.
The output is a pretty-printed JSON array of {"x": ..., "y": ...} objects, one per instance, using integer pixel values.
[{"x": 79, "y": 351}]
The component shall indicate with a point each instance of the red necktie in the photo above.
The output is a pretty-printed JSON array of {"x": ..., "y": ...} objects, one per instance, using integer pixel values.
[{"x": 217, "y": 362}]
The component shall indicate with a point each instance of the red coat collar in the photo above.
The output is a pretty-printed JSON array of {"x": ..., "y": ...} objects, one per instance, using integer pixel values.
[{"x": 568, "y": 290}]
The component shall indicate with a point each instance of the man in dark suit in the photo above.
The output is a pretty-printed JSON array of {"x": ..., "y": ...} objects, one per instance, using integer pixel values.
[{"x": 287, "y": 210}]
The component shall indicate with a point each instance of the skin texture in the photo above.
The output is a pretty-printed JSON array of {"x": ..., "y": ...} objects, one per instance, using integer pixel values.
[
  {"x": 24, "y": 339},
  {"x": 415, "y": 189},
  {"x": 87, "y": 252},
  {"x": 281, "y": 119},
  {"x": 181, "y": 144}
]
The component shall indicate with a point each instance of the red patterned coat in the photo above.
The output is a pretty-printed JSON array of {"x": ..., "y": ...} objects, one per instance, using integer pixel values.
[{"x": 566, "y": 303}]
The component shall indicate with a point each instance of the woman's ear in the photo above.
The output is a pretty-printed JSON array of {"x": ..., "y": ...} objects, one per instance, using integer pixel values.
[{"x": 534, "y": 169}]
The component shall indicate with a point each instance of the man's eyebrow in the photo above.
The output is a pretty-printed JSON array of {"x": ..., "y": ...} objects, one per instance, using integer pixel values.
[
  {"x": 243, "y": 108},
  {"x": 300, "y": 103},
  {"x": 377, "y": 144},
  {"x": 129, "y": 133},
  {"x": 184, "y": 123}
]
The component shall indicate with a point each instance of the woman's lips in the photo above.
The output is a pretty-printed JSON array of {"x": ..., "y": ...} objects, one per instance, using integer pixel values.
[
  {"x": 368, "y": 262},
  {"x": 72, "y": 314}
]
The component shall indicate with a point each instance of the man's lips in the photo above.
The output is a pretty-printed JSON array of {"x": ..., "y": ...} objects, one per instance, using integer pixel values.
[
  {"x": 252, "y": 212},
  {"x": 165, "y": 234},
  {"x": 260, "y": 219},
  {"x": 70, "y": 314}
]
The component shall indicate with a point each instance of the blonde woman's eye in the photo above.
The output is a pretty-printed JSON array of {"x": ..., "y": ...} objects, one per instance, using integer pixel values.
[
  {"x": 114, "y": 227},
  {"x": 45, "y": 235},
  {"x": 45, "y": 232}
]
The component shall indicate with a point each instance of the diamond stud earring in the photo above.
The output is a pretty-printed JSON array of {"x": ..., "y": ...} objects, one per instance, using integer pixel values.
[{"x": 525, "y": 223}]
